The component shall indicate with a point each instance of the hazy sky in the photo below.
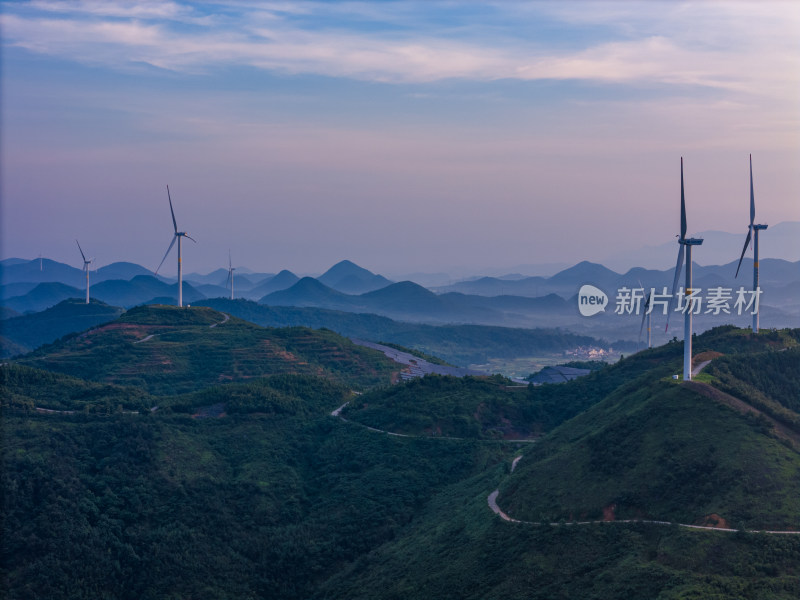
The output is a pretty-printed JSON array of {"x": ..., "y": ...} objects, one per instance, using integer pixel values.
[{"x": 404, "y": 136}]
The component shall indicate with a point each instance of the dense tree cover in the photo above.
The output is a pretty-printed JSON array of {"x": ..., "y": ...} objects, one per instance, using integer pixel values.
[
  {"x": 768, "y": 380},
  {"x": 434, "y": 405},
  {"x": 592, "y": 365},
  {"x": 287, "y": 394},
  {"x": 656, "y": 449},
  {"x": 26, "y": 388},
  {"x": 134, "y": 506},
  {"x": 452, "y": 551},
  {"x": 191, "y": 348},
  {"x": 277, "y": 499}
]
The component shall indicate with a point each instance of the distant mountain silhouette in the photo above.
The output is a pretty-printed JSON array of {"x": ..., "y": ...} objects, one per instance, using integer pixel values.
[
  {"x": 780, "y": 241},
  {"x": 282, "y": 281},
  {"x": 32, "y": 330},
  {"x": 584, "y": 272},
  {"x": 141, "y": 289},
  {"x": 307, "y": 292},
  {"x": 43, "y": 296},
  {"x": 404, "y": 297},
  {"x": 16, "y": 289},
  {"x": 51, "y": 271},
  {"x": 7, "y": 313},
  {"x": 119, "y": 270},
  {"x": 215, "y": 291},
  {"x": 348, "y": 277}
]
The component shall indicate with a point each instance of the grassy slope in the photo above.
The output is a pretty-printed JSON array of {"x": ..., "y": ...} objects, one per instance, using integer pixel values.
[{"x": 186, "y": 353}]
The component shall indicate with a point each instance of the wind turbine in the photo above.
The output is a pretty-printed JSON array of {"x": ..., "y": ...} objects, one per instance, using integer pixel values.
[
  {"x": 686, "y": 247},
  {"x": 646, "y": 316},
  {"x": 231, "y": 269},
  {"x": 177, "y": 236},
  {"x": 752, "y": 231},
  {"x": 86, "y": 264}
]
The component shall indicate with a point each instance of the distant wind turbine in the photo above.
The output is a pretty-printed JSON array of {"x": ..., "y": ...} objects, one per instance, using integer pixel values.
[
  {"x": 177, "y": 236},
  {"x": 752, "y": 232},
  {"x": 86, "y": 264},
  {"x": 686, "y": 246},
  {"x": 231, "y": 269},
  {"x": 645, "y": 316}
]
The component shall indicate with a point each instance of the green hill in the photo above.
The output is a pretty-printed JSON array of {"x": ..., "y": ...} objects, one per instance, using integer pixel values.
[
  {"x": 269, "y": 502},
  {"x": 169, "y": 350},
  {"x": 660, "y": 450},
  {"x": 467, "y": 407},
  {"x": 248, "y": 488},
  {"x": 32, "y": 330}
]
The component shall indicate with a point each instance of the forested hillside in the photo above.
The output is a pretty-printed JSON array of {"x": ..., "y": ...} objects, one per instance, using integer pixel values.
[{"x": 251, "y": 488}]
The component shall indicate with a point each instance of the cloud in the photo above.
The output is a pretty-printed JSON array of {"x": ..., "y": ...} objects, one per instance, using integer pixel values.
[{"x": 741, "y": 48}]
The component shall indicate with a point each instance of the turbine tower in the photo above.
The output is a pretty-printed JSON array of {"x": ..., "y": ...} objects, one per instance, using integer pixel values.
[
  {"x": 86, "y": 264},
  {"x": 231, "y": 269},
  {"x": 646, "y": 316},
  {"x": 177, "y": 236},
  {"x": 752, "y": 232},
  {"x": 685, "y": 248}
]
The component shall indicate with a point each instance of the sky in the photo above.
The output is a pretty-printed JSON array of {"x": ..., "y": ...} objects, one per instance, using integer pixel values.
[{"x": 404, "y": 136}]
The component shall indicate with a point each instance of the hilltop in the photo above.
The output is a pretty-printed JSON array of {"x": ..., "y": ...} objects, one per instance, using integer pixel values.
[
  {"x": 166, "y": 349},
  {"x": 30, "y": 331}
]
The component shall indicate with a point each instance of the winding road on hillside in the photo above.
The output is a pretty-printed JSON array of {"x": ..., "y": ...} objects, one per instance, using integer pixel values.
[
  {"x": 493, "y": 496},
  {"x": 225, "y": 319},
  {"x": 495, "y": 507},
  {"x": 338, "y": 413},
  {"x": 414, "y": 365}
]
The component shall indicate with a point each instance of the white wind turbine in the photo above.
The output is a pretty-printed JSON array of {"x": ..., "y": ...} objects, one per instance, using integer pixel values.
[
  {"x": 86, "y": 264},
  {"x": 752, "y": 232},
  {"x": 686, "y": 246},
  {"x": 231, "y": 269},
  {"x": 177, "y": 236}
]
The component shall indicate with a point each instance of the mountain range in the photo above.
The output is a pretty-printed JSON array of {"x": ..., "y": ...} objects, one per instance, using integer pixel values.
[{"x": 508, "y": 302}]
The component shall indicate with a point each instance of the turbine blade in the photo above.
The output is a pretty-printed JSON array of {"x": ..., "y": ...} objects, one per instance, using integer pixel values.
[
  {"x": 644, "y": 316},
  {"x": 83, "y": 256},
  {"x": 752, "y": 195},
  {"x": 174, "y": 237},
  {"x": 174, "y": 222},
  {"x": 746, "y": 242},
  {"x": 641, "y": 327},
  {"x": 678, "y": 268},
  {"x": 191, "y": 238},
  {"x": 683, "y": 206},
  {"x": 230, "y": 262}
]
